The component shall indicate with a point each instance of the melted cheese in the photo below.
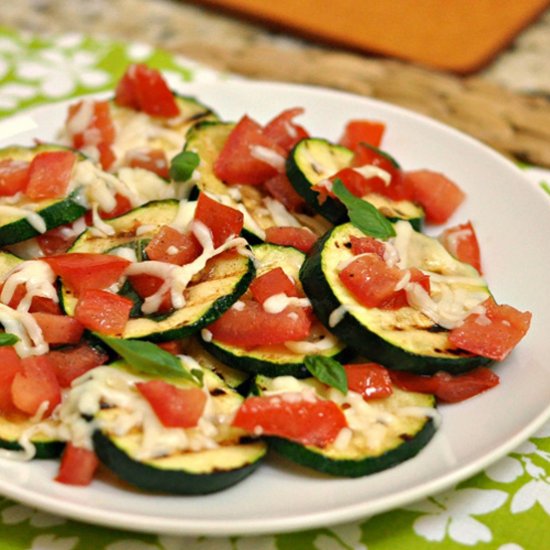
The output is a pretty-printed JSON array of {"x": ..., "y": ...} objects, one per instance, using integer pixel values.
[
  {"x": 280, "y": 215},
  {"x": 269, "y": 156},
  {"x": 370, "y": 171},
  {"x": 24, "y": 326},
  {"x": 279, "y": 302}
]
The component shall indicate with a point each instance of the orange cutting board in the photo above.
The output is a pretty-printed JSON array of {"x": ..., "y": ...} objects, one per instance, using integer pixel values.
[{"x": 455, "y": 35}]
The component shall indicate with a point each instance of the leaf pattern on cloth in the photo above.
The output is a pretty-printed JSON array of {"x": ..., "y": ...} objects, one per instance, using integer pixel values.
[{"x": 36, "y": 70}]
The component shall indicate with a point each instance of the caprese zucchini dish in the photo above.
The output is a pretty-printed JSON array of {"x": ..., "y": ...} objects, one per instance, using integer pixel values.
[{"x": 181, "y": 294}]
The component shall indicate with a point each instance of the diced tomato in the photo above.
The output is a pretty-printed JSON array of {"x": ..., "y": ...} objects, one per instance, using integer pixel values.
[
  {"x": 280, "y": 188},
  {"x": 171, "y": 246},
  {"x": 10, "y": 365},
  {"x": 38, "y": 303},
  {"x": 103, "y": 311},
  {"x": 59, "y": 329},
  {"x": 371, "y": 281},
  {"x": 34, "y": 385},
  {"x": 175, "y": 347},
  {"x": 81, "y": 271},
  {"x": 283, "y": 131},
  {"x": 238, "y": 163},
  {"x": 399, "y": 298},
  {"x": 358, "y": 184},
  {"x": 367, "y": 155},
  {"x": 99, "y": 131},
  {"x": 252, "y": 326},
  {"x": 299, "y": 237},
  {"x": 154, "y": 160},
  {"x": 493, "y": 335},
  {"x": 273, "y": 282},
  {"x": 122, "y": 206},
  {"x": 14, "y": 176},
  {"x": 461, "y": 241},
  {"x": 223, "y": 221},
  {"x": 437, "y": 194},
  {"x": 146, "y": 285},
  {"x": 144, "y": 89},
  {"x": 70, "y": 363},
  {"x": 447, "y": 387},
  {"x": 366, "y": 245},
  {"x": 316, "y": 422},
  {"x": 362, "y": 131},
  {"x": 175, "y": 407},
  {"x": 370, "y": 380},
  {"x": 50, "y": 174},
  {"x": 56, "y": 241},
  {"x": 78, "y": 466}
]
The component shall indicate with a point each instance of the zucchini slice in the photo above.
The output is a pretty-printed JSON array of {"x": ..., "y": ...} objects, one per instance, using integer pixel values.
[
  {"x": 223, "y": 455},
  {"x": 402, "y": 339},
  {"x": 259, "y": 209},
  {"x": 21, "y": 220},
  {"x": 314, "y": 159},
  {"x": 385, "y": 431},
  {"x": 212, "y": 291},
  {"x": 45, "y": 444},
  {"x": 277, "y": 360}
]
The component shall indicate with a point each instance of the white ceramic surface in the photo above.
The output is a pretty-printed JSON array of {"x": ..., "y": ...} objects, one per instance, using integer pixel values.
[{"x": 512, "y": 219}]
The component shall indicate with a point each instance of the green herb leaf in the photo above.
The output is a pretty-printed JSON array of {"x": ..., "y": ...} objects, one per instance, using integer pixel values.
[
  {"x": 328, "y": 371},
  {"x": 183, "y": 165},
  {"x": 363, "y": 214},
  {"x": 8, "y": 339},
  {"x": 148, "y": 358}
]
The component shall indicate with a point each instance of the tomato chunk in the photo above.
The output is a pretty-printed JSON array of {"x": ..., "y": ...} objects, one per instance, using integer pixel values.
[
  {"x": 70, "y": 363},
  {"x": 223, "y": 221},
  {"x": 252, "y": 326},
  {"x": 362, "y": 131},
  {"x": 59, "y": 329},
  {"x": 239, "y": 160},
  {"x": 10, "y": 365},
  {"x": 446, "y": 387},
  {"x": 50, "y": 174},
  {"x": 283, "y": 131},
  {"x": 370, "y": 380},
  {"x": 103, "y": 311},
  {"x": 57, "y": 240},
  {"x": 122, "y": 206},
  {"x": 273, "y": 282},
  {"x": 154, "y": 160},
  {"x": 299, "y": 237},
  {"x": 171, "y": 246},
  {"x": 78, "y": 466},
  {"x": 14, "y": 176},
  {"x": 315, "y": 422},
  {"x": 38, "y": 303},
  {"x": 144, "y": 89},
  {"x": 81, "y": 271},
  {"x": 437, "y": 194},
  {"x": 493, "y": 335},
  {"x": 280, "y": 188},
  {"x": 365, "y": 245},
  {"x": 175, "y": 407},
  {"x": 461, "y": 241},
  {"x": 146, "y": 285},
  {"x": 371, "y": 281},
  {"x": 99, "y": 131},
  {"x": 34, "y": 385}
]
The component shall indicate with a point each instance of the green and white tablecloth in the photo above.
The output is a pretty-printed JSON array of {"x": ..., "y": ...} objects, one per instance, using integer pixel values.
[{"x": 505, "y": 507}]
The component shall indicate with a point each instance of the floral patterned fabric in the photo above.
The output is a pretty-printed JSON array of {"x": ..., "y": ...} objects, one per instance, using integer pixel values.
[{"x": 505, "y": 507}]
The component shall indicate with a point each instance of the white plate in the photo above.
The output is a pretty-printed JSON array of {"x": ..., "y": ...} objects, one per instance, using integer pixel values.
[{"x": 512, "y": 219}]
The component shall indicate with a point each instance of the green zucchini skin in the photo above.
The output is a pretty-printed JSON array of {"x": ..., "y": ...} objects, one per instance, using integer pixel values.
[
  {"x": 54, "y": 212},
  {"x": 408, "y": 436},
  {"x": 365, "y": 340},
  {"x": 178, "y": 482},
  {"x": 312, "y": 457},
  {"x": 45, "y": 446}
]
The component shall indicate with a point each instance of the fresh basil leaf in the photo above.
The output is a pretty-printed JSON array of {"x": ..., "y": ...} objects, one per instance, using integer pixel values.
[
  {"x": 183, "y": 165},
  {"x": 8, "y": 339},
  {"x": 328, "y": 371},
  {"x": 363, "y": 214},
  {"x": 148, "y": 358}
]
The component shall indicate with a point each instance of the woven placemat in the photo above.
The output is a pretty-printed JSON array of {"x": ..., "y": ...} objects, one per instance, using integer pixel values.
[{"x": 517, "y": 125}]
